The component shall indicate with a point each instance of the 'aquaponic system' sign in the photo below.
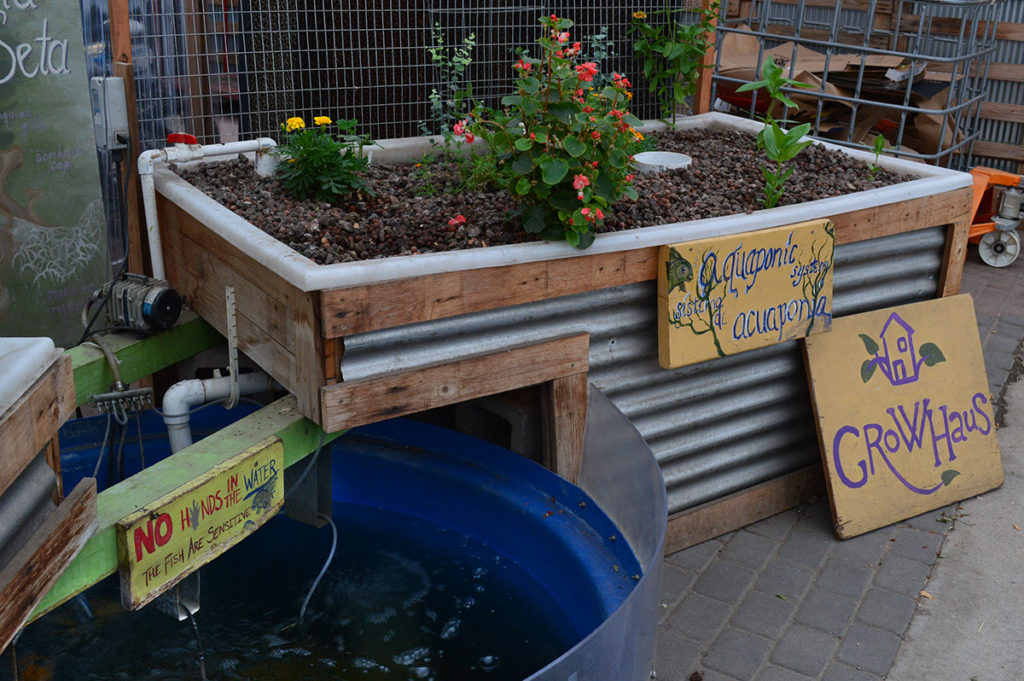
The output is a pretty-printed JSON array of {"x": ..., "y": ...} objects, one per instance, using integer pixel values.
[
  {"x": 725, "y": 295},
  {"x": 904, "y": 412}
]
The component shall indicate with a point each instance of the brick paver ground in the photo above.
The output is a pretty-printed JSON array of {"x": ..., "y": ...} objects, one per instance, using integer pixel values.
[{"x": 783, "y": 600}]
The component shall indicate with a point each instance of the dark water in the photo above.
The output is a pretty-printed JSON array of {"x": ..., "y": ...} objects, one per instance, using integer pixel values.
[{"x": 403, "y": 600}]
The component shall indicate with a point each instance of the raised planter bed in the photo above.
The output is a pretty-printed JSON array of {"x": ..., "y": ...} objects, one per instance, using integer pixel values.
[{"x": 295, "y": 317}]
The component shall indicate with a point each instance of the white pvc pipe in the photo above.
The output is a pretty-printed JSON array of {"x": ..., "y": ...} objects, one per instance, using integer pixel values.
[
  {"x": 180, "y": 153},
  {"x": 182, "y": 397}
]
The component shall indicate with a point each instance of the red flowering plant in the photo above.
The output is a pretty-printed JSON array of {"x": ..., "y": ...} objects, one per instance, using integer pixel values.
[{"x": 560, "y": 144}]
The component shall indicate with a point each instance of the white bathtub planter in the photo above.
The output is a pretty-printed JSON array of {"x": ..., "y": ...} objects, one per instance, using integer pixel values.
[{"x": 294, "y": 315}]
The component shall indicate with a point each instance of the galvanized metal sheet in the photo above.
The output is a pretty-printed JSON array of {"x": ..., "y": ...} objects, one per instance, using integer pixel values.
[{"x": 714, "y": 427}]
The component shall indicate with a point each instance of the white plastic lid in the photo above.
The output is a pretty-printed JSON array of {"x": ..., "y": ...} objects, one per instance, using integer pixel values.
[{"x": 657, "y": 161}]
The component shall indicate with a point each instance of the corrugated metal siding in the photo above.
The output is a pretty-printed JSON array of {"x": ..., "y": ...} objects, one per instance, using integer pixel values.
[{"x": 715, "y": 427}]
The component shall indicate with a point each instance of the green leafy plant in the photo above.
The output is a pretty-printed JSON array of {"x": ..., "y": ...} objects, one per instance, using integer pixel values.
[
  {"x": 879, "y": 146},
  {"x": 673, "y": 52},
  {"x": 455, "y": 97},
  {"x": 779, "y": 145},
  {"x": 318, "y": 166},
  {"x": 599, "y": 48},
  {"x": 558, "y": 146}
]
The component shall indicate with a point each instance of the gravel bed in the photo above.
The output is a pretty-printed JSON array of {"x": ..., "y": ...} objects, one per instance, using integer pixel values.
[{"x": 413, "y": 203}]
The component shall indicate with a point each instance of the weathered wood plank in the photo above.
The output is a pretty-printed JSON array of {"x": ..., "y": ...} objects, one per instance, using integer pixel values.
[
  {"x": 98, "y": 559},
  {"x": 139, "y": 357},
  {"x": 353, "y": 403},
  {"x": 347, "y": 311},
  {"x": 31, "y": 422},
  {"x": 1012, "y": 152},
  {"x": 38, "y": 565},
  {"x": 565, "y": 418},
  {"x": 1012, "y": 113},
  {"x": 956, "y": 253},
  {"x": 878, "y": 221},
  {"x": 742, "y": 508}
]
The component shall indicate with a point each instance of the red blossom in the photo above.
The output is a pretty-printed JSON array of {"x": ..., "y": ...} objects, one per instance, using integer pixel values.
[
  {"x": 470, "y": 137},
  {"x": 459, "y": 219},
  {"x": 595, "y": 135},
  {"x": 580, "y": 181},
  {"x": 586, "y": 71},
  {"x": 459, "y": 128},
  {"x": 522, "y": 66}
]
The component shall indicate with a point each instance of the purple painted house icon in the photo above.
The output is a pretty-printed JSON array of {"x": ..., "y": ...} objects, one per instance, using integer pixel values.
[{"x": 899, "y": 361}]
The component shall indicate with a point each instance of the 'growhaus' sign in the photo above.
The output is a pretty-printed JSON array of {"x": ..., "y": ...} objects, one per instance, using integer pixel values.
[
  {"x": 160, "y": 545},
  {"x": 904, "y": 414},
  {"x": 725, "y": 295}
]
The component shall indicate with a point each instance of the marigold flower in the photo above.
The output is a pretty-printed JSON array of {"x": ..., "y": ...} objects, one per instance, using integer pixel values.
[
  {"x": 322, "y": 120},
  {"x": 586, "y": 71},
  {"x": 580, "y": 181},
  {"x": 637, "y": 134},
  {"x": 640, "y": 14},
  {"x": 294, "y": 123}
]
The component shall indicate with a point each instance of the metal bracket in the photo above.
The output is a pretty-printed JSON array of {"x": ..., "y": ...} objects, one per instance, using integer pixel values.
[
  {"x": 232, "y": 324},
  {"x": 182, "y": 600}
]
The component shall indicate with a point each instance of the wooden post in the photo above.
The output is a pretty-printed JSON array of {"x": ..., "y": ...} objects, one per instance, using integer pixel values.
[
  {"x": 565, "y": 415},
  {"x": 38, "y": 565},
  {"x": 702, "y": 98}
]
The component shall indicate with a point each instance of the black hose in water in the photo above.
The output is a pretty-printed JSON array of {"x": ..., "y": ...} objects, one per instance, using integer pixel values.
[
  {"x": 323, "y": 570},
  {"x": 199, "y": 646}
]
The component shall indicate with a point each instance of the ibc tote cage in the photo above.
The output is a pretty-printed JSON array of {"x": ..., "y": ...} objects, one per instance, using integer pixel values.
[{"x": 906, "y": 64}]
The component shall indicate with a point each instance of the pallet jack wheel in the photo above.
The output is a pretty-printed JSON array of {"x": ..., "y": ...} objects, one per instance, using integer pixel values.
[{"x": 999, "y": 248}]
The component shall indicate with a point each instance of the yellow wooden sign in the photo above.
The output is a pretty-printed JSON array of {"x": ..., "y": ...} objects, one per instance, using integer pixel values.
[
  {"x": 725, "y": 295},
  {"x": 160, "y": 545},
  {"x": 903, "y": 411}
]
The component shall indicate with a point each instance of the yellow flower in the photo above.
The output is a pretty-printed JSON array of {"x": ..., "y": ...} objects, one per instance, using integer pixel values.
[
  {"x": 294, "y": 123},
  {"x": 640, "y": 14},
  {"x": 637, "y": 134},
  {"x": 629, "y": 95},
  {"x": 322, "y": 120}
]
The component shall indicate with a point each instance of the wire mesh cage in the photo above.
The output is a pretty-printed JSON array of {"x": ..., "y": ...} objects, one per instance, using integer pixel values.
[
  {"x": 912, "y": 71},
  {"x": 228, "y": 69}
]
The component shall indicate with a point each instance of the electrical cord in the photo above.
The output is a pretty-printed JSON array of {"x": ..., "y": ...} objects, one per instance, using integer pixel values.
[
  {"x": 103, "y": 447},
  {"x": 323, "y": 570},
  {"x": 309, "y": 466}
]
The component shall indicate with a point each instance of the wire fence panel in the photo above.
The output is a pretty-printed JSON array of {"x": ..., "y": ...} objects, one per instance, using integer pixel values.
[{"x": 231, "y": 69}]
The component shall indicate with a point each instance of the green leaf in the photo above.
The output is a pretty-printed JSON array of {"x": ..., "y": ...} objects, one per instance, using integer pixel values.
[
  {"x": 931, "y": 354},
  {"x": 529, "y": 85},
  {"x": 563, "y": 111},
  {"x": 585, "y": 239},
  {"x": 523, "y": 164},
  {"x": 574, "y": 146},
  {"x": 948, "y": 476},
  {"x": 867, "y": 369},
  {"x": 553, "y": 170},
  {"x": 869, "y": 343},
  {"x": 630, "y": 119},
  {"x": 534, "y": 219},
  {"x": 511, "y": 100},
  {"x": 522, "y": 186},
  {"x": 618, "y": 158},
  {"x": 756, "y": 85},
  {"x": 605, "y": 188},
  {"x": 524, "y": 144},
  {"x": 564, "y": 201}
]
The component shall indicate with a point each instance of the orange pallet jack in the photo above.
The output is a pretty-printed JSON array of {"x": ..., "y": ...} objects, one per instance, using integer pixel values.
[{"x": 995, "y": 231}]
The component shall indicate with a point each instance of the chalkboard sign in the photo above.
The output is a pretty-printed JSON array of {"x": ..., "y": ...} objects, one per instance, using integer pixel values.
[{"x": 52, "y": 228}]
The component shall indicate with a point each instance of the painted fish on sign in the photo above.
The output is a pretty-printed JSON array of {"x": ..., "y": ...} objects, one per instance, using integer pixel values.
[
  {"x": 177, "y": 534},
  {"x": 904, "y": 414},
  {"x": 725, "y": 295}
]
